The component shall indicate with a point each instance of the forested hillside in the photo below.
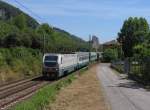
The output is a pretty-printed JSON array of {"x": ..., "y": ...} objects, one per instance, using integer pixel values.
[{"x": 23, "y": 40}]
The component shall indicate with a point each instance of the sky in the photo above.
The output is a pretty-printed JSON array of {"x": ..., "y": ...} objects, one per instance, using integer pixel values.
[{"x": 103, "y": 18}]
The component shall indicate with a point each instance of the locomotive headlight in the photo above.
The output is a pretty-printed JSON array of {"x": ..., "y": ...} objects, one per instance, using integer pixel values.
[{"x": 56, "y": 69}]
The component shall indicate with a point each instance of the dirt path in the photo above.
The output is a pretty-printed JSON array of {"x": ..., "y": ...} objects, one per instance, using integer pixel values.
[{"x": 83, "y": 94}]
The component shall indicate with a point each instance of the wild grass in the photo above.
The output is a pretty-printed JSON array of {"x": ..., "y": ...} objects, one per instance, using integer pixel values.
[{"x": 17, "y": 63}]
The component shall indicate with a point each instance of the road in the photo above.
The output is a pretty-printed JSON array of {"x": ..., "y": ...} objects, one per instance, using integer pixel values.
[{"x": 121, "y": 93}]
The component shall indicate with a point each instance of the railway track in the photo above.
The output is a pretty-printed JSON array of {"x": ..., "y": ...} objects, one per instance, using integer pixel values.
[
  {"x": 15, "y": 83},
  {"x": 10, "y": 94}
]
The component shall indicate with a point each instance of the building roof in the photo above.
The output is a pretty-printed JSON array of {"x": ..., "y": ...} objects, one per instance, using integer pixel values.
[{"x": 112, "y": 42}]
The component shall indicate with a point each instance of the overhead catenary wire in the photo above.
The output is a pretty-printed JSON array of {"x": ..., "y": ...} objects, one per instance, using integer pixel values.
[
  {"x": 29, "y": 10},
  {"x": 35, "y": 15}
]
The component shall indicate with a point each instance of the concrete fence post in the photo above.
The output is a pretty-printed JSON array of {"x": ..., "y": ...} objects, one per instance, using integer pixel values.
[{"x": 126, "y": 66}]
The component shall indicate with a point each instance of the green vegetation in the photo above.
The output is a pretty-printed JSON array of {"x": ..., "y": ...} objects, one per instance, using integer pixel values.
[
  {"x": 47, "y": 94},
  {"x": 143, "y": 49},
  {"x": 16, "y": 63},
  {"x": 19, "y": 33},
  {"x": 109, "y": 55},
  {"x": 15, "y": 33},
  {"x": 134, "y": 37},
  {"x": 135, "y": 31},
  {"x": 118, "y": 67},
  {"x": 141, "y": 70},
  {"x": 44, "y": 96}
]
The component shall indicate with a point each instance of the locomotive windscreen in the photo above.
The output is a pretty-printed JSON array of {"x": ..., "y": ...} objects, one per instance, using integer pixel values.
[
  {"x": 51, "y": 58},
  {"x": 50, "y": 61}
]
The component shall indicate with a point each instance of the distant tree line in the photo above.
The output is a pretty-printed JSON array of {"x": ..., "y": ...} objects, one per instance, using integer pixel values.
[{"x": 15, "y": 33}]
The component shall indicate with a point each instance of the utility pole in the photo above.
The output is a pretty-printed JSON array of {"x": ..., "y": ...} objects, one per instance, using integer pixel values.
[
  {"x": 89, "y": 47},
  {"x": 43, "y": 43}
]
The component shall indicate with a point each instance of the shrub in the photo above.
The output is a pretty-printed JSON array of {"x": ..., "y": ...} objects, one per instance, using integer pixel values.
[
  {"x": 109, "y": 55},
  {"x": 16, "y": 62}
]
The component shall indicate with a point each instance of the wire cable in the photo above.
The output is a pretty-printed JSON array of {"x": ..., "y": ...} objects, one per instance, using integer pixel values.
[{"x": 29, "y": 10}]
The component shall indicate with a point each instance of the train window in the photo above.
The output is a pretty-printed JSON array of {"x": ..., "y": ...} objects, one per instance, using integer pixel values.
[
  {"x": 83, "y": 58},
  {"x": 51, "y": 58}
]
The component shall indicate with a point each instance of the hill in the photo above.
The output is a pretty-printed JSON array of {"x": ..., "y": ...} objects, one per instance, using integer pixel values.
[{"x": 8, "y": 12}]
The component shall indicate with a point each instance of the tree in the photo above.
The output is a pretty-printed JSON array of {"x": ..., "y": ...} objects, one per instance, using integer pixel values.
[
  {"x": 26, "y": 40},
  {"x": 13, "y": 40},
  {"x": 132, "y": 33},
  {"x": 20, "y": 21},
  {"x": 143, "y": 49},
  {"x": 44, "y": 28}
]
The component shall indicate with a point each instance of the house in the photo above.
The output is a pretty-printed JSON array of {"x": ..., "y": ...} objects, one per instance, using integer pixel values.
[{"x": 111, "y": 44}]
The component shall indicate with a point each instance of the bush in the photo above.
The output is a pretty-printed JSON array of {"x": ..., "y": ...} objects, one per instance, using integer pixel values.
[
  {"x": 19, "y": 63},
  {"x": 109, "y": 55}
]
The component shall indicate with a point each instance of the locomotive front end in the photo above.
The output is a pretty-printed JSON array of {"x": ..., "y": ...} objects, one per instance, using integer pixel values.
[{"x": 50, "y": 66}]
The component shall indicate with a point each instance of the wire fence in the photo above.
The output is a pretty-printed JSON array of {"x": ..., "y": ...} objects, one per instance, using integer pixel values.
[
  {"x": 118, "y": 65},
  {"x": 137, "y": 68}
]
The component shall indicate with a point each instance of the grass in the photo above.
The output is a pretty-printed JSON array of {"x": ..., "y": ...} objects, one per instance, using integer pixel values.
[
  {"x": 118, "y": 68},
  {"x": 46, "y": 94},
  {"x": 136, "y": 73},
  {"x": 15, "y": 63}
]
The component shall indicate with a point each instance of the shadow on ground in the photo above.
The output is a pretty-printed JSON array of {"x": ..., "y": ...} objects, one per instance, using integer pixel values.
[{"x": 129, "y": 83}]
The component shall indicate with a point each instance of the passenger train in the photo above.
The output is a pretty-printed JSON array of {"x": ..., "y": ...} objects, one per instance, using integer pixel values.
[{"x": 58, "y": 65}]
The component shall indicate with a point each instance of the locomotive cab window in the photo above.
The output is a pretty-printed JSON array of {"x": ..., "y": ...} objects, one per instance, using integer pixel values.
[
  {"x": 50, "y": 61},
  {"x": 51, "y": 58}
]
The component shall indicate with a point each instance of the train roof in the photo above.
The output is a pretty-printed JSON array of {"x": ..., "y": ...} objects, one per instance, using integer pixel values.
[
  {"x": 58, "y": 54},
  {"x": 51, "y": 54}
]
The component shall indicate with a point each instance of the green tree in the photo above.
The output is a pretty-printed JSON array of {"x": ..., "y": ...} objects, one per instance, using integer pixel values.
[
  {"x": 20, "y": 21},
  {"x": 44, "y": 28},
  {"x": 13, "y": 40},
  {"x": 132, "y": 33},
  {"x": 143, "y": 49}
]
